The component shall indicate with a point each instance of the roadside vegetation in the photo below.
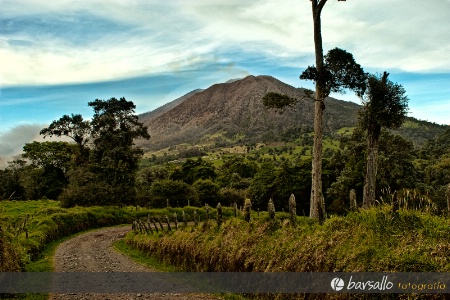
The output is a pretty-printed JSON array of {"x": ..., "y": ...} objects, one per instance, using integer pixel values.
[
  {"x": 30, "y": 228},
  {"x": 372, "y": 240}
]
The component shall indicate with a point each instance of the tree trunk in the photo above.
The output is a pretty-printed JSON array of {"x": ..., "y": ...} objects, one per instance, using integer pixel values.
[
  {"x": 371, "y": 167},
  {"x": 316, "y": 205}
]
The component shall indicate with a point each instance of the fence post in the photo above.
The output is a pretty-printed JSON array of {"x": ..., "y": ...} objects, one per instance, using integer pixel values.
[
  {"x": 160, "y": 224},
  {"x": 292, "y": 208},
  {"x": 353, "y": 204},
  {"x": 154, "y": 223},
  {"x": 175, "y": 220},
  {"x": 219, "y": 214},
  {"x": 168, "y": 223},
  {"x": 247, "y": 209},
  {"x": 271, "y": 209}
]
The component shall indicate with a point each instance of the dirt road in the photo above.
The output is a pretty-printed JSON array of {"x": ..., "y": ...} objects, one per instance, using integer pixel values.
[{"x": 93, "y": 252}]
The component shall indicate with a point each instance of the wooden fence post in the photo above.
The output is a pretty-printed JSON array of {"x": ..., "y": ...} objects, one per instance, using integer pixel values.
[
  {"x": 271, "y": 209},
  {"x": 353, "y": 204}
]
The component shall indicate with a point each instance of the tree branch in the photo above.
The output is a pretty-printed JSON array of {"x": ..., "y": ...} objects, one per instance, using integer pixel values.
[{"x": 320, "y": 5}]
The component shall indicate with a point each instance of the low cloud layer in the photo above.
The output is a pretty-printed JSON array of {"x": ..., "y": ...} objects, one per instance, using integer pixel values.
[{"x": 12, "y": 141}]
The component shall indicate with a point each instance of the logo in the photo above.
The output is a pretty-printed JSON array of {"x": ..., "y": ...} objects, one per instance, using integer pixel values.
[{"x": 337, "y": 284}]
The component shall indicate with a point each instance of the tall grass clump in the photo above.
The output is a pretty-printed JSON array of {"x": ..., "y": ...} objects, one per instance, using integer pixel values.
[{"x": 10, "y": 256}]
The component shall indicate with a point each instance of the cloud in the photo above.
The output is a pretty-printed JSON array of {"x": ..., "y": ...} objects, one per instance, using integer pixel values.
[
  {"x": 47, "y": 42},
  {"x": 12, "y": 141}
]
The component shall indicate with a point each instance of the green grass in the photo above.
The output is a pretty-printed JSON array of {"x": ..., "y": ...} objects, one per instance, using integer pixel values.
[{"x": 144, "y": 258}]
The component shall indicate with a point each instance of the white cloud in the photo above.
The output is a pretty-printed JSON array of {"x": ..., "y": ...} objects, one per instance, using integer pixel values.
[{"x": 172, "y": 35}]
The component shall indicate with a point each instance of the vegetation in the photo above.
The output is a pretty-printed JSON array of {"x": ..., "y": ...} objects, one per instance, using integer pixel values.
[
  {"x": 28, "y": 227},
  {"x": 366, "y": 241}
]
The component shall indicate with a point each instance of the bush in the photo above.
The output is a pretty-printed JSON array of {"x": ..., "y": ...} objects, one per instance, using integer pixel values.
[
  {"x": 87, "y": 188},
  {"x": 207, "y": 191},
  {"x": 229, "y": 196}
]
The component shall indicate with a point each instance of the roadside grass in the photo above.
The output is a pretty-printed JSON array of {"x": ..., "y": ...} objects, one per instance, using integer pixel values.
[
  {"x": 146, "y": 259},
  {"x": 364, "y": 241},
  {"x": 143, "y": 258}
]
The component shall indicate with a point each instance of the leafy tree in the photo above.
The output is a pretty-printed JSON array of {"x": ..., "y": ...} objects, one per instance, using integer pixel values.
[
  {"x": 42, "y": 182},
  {"x": 86, "y": 188},
  {"x": 293, "y": 179},
  {"x": 261, "y": 188},
  {"x": 229, "y": 196},
  {"x": 113, "y": 156},
  {"x": 349, "y": 165},
  {"x": 74, "y": 127},
  {"x": 111, "y": 160},
  {"x": 435, "y": 148},
  {"x": 385, "y": 106},
  {"x": 114, "y": 128},
  {"x": 207, "y": 191},
  {"x": 395, "y": 163},
  {"x": 56, "y": 154},
  {"x": 193, "y": 170},
  {"x": 237, "y": 172},
  {"x": 238, "y": 164}
]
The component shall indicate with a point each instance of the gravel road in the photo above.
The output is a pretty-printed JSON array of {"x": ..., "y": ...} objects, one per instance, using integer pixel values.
[{"x": 93, "y": 252}]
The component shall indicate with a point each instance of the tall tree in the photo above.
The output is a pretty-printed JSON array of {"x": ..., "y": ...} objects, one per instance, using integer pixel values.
[
  {"x": 385, "y": 106},
  {"x": 114, "y": 128},
  {"x": 332, "y": 73},
  {"x": 322, "y": 91}
]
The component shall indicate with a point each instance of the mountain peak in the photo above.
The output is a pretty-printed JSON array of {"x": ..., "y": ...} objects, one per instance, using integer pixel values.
[{"x": 236, "y": 108}]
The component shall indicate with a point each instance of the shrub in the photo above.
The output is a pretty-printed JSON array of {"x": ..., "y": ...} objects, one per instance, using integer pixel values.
[{"x": 207, "y": 191}]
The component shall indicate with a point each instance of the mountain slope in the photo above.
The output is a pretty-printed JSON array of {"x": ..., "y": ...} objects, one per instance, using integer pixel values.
[
  {"x": 236, "y": 108},
  {"x": 166, "y": 107}
]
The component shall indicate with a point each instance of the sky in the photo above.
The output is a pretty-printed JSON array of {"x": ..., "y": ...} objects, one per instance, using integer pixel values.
[{"x": 56, "y": 56}]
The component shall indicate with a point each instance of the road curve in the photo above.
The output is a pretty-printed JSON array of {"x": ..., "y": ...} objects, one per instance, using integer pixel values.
[{"x": 93, "y": 252}]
